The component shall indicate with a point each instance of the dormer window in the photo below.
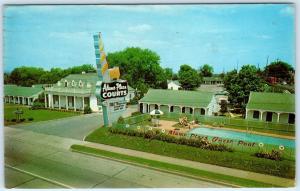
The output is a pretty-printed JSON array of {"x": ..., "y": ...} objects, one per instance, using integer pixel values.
[
  {"x": 80, "y": 84},
  {"x": 73, "y": 83},
  {"x": 58, "y": 83},
  {"x": 66, "y": 83}
]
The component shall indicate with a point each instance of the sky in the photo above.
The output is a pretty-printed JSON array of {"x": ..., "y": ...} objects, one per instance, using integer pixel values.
[{"x": 223, "y": 36}]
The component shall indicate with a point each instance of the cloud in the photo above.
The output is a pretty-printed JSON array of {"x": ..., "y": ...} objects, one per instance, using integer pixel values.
[
  {"x": 287, "y": 11},
  {"x": 140, "y": 28}
]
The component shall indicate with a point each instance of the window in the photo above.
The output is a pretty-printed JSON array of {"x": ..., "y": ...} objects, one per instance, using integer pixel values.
[
  {"x": 255, "y": 114},
  {"x": 156, "y": 106},
  {"x": 191, "y": 110},
  {"x": 291, "y": 118},
  {"x": 80, "y": 84},
  {"x": 58, "y": 83},
  {"x": 183, "y": 110},
  {"x": 269, "y": 116},
  {"x": 66, "y": 83},
  {"x": 172, "y": 109},
  {"x": 73, "y": 83},
  {"x": 202, "y": 111}
]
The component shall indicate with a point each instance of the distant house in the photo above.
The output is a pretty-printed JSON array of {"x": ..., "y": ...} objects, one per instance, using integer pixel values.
[
  {"x": 22, "y": 95},
  {"x": 75, "y": 92},
  {"x": 189, "y": 102},
  {"x": 214, "y": 80},
  {"x": 271, "y": 107},
  {"x": 174, "y": 85}
]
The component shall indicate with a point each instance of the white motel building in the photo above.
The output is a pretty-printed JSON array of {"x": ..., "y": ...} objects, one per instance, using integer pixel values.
[{"x": 75, "y": 92}]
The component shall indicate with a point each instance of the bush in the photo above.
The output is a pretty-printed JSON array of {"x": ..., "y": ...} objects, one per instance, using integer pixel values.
[
  {"x": 22, "y": 120},
  {"x": 87, "y": 110},
  {"x": 136, "y": 113},
  {"x": 157, "y": 135},
  {"x": 37, "y": 105},
  {"x": 13, "y": 120},
  {"x": 30, "y": 118},
  {"x": 121, "y": 120},
  {"x": 273, "y": 155}
]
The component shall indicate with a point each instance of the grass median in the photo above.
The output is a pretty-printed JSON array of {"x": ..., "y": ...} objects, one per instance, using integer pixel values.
[
  {"x": 236, "y": 159},
  {"x": 182, "y": 170}
]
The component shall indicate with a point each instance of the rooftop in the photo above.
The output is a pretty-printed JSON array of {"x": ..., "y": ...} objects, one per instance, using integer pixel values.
[
  {"x": 14, "y": 90},
  {"x": 184, "y": 98},
  {"x": 213, "y": 78},
  {"x": 281, "y": 102}
]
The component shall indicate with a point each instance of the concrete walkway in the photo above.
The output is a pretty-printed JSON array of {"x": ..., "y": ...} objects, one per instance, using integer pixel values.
[{"x": 284, "y": 182}]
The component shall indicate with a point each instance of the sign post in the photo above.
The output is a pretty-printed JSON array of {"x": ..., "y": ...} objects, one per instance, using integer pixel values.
[{"x": 110, "y": 90}]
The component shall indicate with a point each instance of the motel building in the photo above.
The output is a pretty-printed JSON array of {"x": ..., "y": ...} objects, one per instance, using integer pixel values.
[
  {"x": 188, "y": 102},
  {"x": 75, "y": 92},
  {"x": 271, "y": 107},
  {"x": 22, "y": 95},
  {"x": 214, "y": 80}
]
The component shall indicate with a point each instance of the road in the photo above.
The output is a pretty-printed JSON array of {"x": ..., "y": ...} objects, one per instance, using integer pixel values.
[{"x": 38, "y": 155}]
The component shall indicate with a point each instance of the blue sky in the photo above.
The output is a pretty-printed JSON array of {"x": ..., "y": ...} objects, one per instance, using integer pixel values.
[{"x": 223, "y": 36}]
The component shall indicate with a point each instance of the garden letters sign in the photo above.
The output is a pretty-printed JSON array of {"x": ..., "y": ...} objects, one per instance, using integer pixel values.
[{"x": 113, "y": 90}]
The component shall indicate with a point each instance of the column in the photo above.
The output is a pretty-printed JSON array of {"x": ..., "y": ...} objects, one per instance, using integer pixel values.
[
  {"x": 83, "y": 103},
  {"x": 52, "y": 101},
  {"x": 67, "y": 104},
  {"x": 260, "y": 115},
  {"x": 169, "y": 108},
  {"x": 59, "y": 102},
  {"x": 45, "y": 100},
  {"x": 74, "y": 103},
  {"x": 246, "y": 114},
  {"x": 49, "y": 104},
  {"x": 23, "y": 102},
  {"x": 278, "y": 115}
]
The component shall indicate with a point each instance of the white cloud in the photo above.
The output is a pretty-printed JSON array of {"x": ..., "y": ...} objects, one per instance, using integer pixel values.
[
  {"x": 287, "y": 11},
  {"x": 140, "y": 28}
]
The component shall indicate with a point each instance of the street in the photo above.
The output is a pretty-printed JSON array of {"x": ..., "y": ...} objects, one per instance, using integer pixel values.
[{"x": 38, "y": 156}]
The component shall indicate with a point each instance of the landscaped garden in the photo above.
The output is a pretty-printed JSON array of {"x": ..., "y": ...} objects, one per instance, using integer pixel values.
[
  {"x": 14, "y": 114},
  {"x": 137, "y": 133}
]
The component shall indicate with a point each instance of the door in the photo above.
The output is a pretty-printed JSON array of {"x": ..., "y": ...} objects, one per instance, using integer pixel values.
[{"x": 269, "y": 116}]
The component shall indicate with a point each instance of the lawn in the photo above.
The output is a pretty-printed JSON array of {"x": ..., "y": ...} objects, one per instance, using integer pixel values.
[
  {"x": 195, "y": 173},
  {"x": 37, "y": 115},
  {"x": 236, "y": 159}
]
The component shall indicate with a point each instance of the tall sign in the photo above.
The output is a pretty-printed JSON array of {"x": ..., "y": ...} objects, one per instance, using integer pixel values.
[{"x": 110, "y": 89}]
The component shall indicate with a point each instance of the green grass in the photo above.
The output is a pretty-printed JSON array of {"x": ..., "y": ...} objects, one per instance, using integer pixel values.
[
  {"x": 236, "y": 159},
  {"x": 37, "y": 115},
  {"x": 171, "y": 167}
]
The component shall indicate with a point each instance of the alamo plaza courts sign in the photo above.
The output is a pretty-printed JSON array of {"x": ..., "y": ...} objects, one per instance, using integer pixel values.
[{"x": 113, "y": 90}]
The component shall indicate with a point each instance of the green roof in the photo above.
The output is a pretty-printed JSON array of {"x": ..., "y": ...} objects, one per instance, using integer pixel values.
[
  {"x": 280, "y": 102},
  {"x": 213, "y": 78},
  {"x": 13, "y": 90},
  {"x": 180, "y": 97},
  {"x": 87, "y": 77}
]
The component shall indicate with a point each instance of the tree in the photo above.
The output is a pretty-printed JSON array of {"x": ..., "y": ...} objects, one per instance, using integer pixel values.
[
  {"x": 239, "y": 84},
  {"x": 139, "y": 66},
  {"x": 280, "y": 70},
  {"x": 223, "y": 105},
  {"x": 169, "y": 73},
  {"x": 175, "y": 77},
  {"x": 26, "y": 76},
  {"x": 188, "y": 77},
  {"x": 206, "y": 70}
]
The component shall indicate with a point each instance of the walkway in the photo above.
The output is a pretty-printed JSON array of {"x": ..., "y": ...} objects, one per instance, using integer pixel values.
[{"x": 202, "y": 166}]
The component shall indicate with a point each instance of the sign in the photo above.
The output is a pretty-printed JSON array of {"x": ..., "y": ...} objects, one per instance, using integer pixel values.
[
  {"x": 119, "y": 106},
  {"x": 113, "y": 90}
]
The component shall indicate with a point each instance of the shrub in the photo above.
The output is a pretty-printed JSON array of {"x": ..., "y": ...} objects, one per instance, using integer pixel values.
[
  {"x": 121, "y": 120},
  {"x": 273, "y": 155},
  {"x": 87, "y": 110},
  {"x": 30, "y": 118},
  {"x": 22, "y": 120},
  {"x": 157, "y": 135},
  {"x": 37, "y": 105},
  {"x": 13, "y": 120},
  {"x": 136, "y": 113}
]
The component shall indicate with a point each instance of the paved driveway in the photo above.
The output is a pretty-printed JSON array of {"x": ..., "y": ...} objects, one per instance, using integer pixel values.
[
  {"x": 76, "y": 127},
  {"x": 50, "y": 158}
]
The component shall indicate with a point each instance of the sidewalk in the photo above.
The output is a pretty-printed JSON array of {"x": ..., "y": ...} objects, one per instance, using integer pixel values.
[{"x": 284, "y": 182}]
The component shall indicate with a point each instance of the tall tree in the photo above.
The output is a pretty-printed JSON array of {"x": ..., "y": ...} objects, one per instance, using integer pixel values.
[
  {"x": 169, "y": 73},
  {"x": 139, "y": 65},
  {"x": 188, "y": 77},
  {"x": 239, "y": 84},
  {"x": 26, "y": 76},
  {"x": 280, "y": 70},
  {"x": 206, "y": 70}
]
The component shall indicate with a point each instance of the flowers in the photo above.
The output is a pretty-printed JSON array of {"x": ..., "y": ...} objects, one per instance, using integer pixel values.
[
  {"x": 163, "y": 130},
  {"x": 261, "y": 145},
  {"x": 150, "y": 128},
  {"x": 138, "y": 127},
  {"x": 281, "y": 147},
  {"x": 127, "y": 125}
]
